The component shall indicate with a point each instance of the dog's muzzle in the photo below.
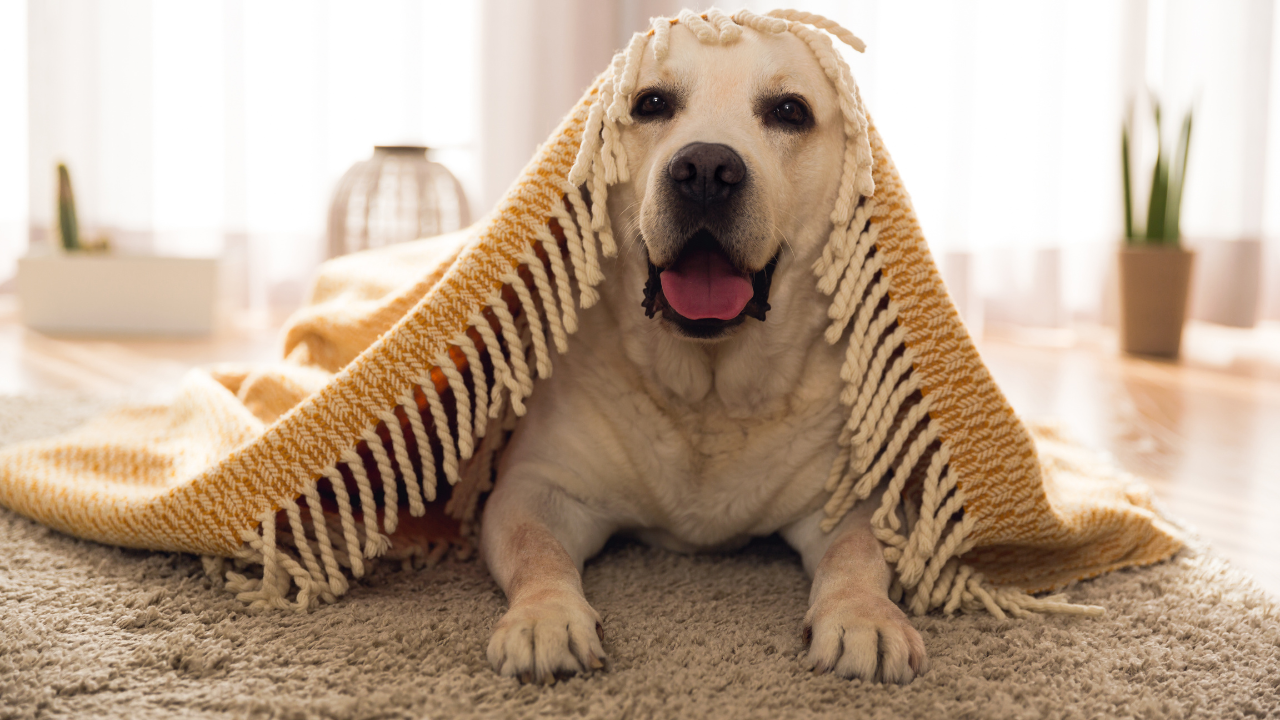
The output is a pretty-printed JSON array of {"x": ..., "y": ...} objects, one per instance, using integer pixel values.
[{"x": 703, "y": 292}]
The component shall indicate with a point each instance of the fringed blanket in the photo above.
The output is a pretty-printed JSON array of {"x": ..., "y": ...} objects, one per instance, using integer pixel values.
[{"x": 376, "y": 434}]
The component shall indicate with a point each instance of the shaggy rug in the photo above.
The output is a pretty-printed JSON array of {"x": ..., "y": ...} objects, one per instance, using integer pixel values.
[{"x": 88, "y": 630}]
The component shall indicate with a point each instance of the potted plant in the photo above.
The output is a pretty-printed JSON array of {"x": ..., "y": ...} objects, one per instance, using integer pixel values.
[
  {"x": 1155, "y": 270},
  {"x": 79, "y": 287}
]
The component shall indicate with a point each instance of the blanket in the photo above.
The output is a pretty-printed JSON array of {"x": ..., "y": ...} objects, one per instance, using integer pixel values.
[{"x": 376, "y": 433}]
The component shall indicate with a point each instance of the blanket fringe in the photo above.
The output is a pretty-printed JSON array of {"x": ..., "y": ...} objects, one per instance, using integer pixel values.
[
  {"x": 890, "y": 438},
  {"x": 440, "y": 427}
]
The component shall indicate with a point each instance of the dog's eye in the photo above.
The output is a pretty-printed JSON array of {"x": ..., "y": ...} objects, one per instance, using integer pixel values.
[
  {"x": 650, "y": 105},
  {"x": 792, "y": 112}
]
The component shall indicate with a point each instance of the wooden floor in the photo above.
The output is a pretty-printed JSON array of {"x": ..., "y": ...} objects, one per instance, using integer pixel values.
[{"x": 1205, "y": 432}]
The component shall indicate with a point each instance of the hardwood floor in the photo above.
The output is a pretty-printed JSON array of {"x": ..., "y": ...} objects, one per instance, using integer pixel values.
[
  {"x": 1202, "y": 432},
  {"x": 1205, "y": 432},
  {"x": 31, "y": 362}
]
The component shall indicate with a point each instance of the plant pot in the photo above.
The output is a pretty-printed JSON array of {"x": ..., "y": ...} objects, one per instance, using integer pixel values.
[
  {"x": 1154, "y": 285},
  {"x": 117, "y": 294}
]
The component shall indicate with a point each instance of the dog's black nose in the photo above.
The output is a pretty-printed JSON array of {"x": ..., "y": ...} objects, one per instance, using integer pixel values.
[{"x": 706, "y": 172}]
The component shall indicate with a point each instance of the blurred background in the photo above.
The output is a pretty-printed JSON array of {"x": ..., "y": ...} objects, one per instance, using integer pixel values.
[{"x": 221, "y": 127}]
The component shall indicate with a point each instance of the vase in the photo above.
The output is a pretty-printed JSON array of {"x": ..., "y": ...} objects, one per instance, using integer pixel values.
[
  {"x": 1154, "y": 285},
  {"x": 395, "y": 196}
]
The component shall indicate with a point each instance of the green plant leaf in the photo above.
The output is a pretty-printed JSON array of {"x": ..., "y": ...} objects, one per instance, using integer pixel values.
[
  {"x": 1177, "y": 180},
  {"x": 1128, "y": 181},
  {"x": 1159, "y": 187},
  {"x": 1159, "y": 201}
]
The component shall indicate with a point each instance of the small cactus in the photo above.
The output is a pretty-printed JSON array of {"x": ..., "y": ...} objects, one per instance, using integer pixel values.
[
  {"x": 1164, "y": 209},
  {"x": 68, "y": 227}
]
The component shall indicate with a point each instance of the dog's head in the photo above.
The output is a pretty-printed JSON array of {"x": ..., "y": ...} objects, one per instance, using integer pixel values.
[{"x": 735, "y": 155}]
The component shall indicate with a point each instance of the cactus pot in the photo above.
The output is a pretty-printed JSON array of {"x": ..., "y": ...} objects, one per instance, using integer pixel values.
[
  {"x": 117, "y": 294},
  {"x": 1154, "y": 286}
]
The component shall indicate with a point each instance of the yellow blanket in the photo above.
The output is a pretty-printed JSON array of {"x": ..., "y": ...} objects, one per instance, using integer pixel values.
[{"x": 403, "y": 376}]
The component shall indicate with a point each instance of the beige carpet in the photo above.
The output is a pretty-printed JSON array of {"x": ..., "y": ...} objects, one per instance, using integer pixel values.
[{"x": 93, "y": 631}]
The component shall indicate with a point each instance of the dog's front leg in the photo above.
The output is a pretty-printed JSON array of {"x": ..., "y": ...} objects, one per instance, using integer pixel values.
[
  {"x": 852, "y": 628},
  {"x": 535, "y": 538}
]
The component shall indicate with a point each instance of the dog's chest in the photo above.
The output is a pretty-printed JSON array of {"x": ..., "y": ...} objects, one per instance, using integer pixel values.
[
  {"x": 709, "y": 472},
  {"x": 713, "y": 479},
  {"x": 744, "y": 453}
]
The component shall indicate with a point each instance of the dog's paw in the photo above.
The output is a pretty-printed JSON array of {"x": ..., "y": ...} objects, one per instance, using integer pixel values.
[
  {"x": 864, "y": 637},
  {"x": 545, "y": 639}
]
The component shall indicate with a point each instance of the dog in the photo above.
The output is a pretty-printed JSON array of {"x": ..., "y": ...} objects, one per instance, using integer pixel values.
[{"x": 698, "y": 406}]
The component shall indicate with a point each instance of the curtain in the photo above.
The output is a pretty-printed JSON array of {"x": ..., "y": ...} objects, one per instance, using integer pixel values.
[
  {"x": 13, "y": 134},
  {"x": 209, "y": 127},
  {"x": 219, "y": 128}
]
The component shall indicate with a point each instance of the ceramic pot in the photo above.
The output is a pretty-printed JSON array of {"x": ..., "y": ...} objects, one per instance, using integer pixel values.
[
  {"x": 1154, "y": 285},
  {"x": 117, "y": 294}
]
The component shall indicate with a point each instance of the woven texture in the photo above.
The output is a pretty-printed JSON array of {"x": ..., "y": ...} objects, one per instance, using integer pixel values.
[{"x": 402, "y": 377}]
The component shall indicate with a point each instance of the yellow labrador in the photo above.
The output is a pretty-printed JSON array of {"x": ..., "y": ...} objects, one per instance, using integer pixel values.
[{"x": 698, "y": 406}]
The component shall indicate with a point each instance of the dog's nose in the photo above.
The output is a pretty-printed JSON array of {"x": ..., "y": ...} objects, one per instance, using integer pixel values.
[{"x": 706, "y": 172}]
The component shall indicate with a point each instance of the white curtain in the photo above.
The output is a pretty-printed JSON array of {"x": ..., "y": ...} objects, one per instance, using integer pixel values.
[
  {"x": 220, "y": 127},
  {"x": 1004, "y": 118},
  {"x": 13, "y": 134}
]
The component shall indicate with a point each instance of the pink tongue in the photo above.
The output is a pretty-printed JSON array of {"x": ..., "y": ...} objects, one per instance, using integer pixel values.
[{"x": 703, "y": 284}]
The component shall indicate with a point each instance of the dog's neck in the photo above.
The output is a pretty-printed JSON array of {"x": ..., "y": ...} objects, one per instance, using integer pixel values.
[{"x": 751, "y": 373}]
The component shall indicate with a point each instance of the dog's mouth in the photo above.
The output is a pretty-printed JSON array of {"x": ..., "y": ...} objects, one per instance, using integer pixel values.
[{"x": 703, "y": 292}]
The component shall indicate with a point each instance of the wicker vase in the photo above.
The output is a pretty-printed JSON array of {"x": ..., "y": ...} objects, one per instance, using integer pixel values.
[{"x": 394, "y": 196}]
